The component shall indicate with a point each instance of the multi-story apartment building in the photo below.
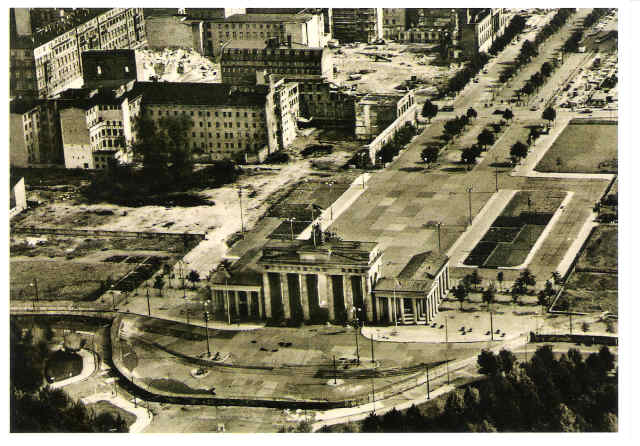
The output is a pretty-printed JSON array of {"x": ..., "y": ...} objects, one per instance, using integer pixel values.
[
  {"x": 480, "y": 27},
  {"x": 213, "y": 31},
  {"x": 374, "y": 112},
  {"x": 357, "y": 24},
  {"x": 47, "y": 60},
  {"x": 241, "y": 59},
  {"x": 325, "y": 103},
  {"x": 97, "y": 126},
  {"x": 229, "y": 122},
  {"x": 34, "y": 133},
  {"x": 395, "y": 21}
]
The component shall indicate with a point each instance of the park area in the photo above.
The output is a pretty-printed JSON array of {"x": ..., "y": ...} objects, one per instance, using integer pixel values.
[
  {"x": 583, "y": 147},
  {"x": 592, "y": 287},
  {"x": 515, "y": 231}
]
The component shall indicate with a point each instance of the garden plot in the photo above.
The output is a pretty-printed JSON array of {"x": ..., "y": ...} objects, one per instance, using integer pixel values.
[{"x": 514, "y": 232}]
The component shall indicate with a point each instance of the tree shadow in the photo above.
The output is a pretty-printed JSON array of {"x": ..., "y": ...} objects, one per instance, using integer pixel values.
[{"x": 413, "y": 169}]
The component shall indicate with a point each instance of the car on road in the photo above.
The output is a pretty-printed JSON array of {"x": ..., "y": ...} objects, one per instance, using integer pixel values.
[
  {"x": 533, "y": 108},
  {"x": 447, "y": 108}
]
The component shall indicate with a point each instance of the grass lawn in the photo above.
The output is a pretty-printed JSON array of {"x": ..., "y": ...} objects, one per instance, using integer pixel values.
[
  {"x": 62, "y": 365},
  {"x": 588, "y": 148},
  {"x": 593, "y": 285},
  {"x": 106, "y": 407},
  {"x": 515, "y": 231},
  {"x": 60, "y": 279},
  {"x": 601, "y": 251}
]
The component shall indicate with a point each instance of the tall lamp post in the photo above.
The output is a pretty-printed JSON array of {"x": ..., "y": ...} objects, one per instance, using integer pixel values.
[
  {"x": 206, "y": 327},
  {"x": 241, "y": 214},
  {"x": 35, "y": 285},
  {"x": 330, "y": 183},
  {"x": 356, "y": 326},
  {"x": 469, "y": 190}
]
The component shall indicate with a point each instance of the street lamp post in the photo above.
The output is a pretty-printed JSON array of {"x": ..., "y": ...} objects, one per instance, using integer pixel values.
[
  {"x": 148, "y": 304},
  {"x": 469, "y": 190},
  {"x": 356, "y": 327},
  {"x": 446, "y": 348},
  {"x": 241, "y": 214},
  {"x": 331, "y": 206},
  {"x": 439, "y": 224},
  {"x": 35, "y": 285},
  {"x": 291, "y": 220},
  {"x": 206, "y": 328},
  {"x": 428, "y": 390}
]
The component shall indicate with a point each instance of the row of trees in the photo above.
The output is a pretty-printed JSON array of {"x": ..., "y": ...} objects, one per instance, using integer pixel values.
[
  {"x": 529, "y": 49},
  {"x": 471, "y": 283},
  {"x": 400, "y": 139},
  {"x": 545, "y": 394},
  {"x": 595, "y": 15},
  {"x": 34, "y": 406},
  {"x": 538, "y": 79},
  {"x": 515, "y": 27},
  {"x": 462, "y": 77}
]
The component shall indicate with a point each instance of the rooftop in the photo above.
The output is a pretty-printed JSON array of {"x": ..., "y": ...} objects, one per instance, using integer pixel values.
[
  {"x": 20, "y": 105},
  {"x": 189, "y": 93},
  {"x": 260, "y": 45},
  {"x": 327, "y": 252},
  {"x": 258, "y": 18},
  {"x": 382, "y": 99}
]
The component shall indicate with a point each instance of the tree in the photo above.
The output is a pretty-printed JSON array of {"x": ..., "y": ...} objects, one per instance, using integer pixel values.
[
  {"x": 460, "y": 292},
  {"x": 519, "y": 150},
  {"x": 557, "y": 278},
  {"x": 429, "y": 110},
  {"x": 528, "y": 279},
  {"x": 506, "y": 360},
  {"x": 543, "y": 299},
  {"x": 476, "y": 279},
  {"x": 486, "y": 138},
  {"x": 508, "y": 114},
  {"x": 163, "y": 148},
  {"x": 516, "y": 292},
  {"x": 548, "y": 288},
  {"x": 546, "y": 69},
  {"x": 488, "y": 295},
  {"x": 488, "y": 363},
  {"x": 166, "y": 271},
  {"x": 430, "y": 155},
  {"x": 500, "y": 279},
  {"x": 158, "y": 284},
  {"x": 469, "y": 156},
  {"x": 471, "y": 113},
  {"x": 193, "y": 277},
  {"x": 549, "y": 114}
]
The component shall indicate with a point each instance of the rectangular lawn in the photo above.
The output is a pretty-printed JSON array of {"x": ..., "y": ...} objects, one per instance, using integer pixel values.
[{"x": 583, "y": 148}]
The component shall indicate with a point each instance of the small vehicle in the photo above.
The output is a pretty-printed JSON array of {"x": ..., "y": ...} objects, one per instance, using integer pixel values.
[
  {"x": 533, "y": 108},
  {"x": 447, "y": 108}
]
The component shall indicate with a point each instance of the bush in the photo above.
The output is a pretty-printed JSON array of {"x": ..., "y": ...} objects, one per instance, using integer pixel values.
[{"x": 278, "y": 157}]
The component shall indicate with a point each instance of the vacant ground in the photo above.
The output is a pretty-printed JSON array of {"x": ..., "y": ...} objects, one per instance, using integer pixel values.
[
  {"x": 583, "y": 148},
  {"x": 60, "y": 279},
  {"x": 593, "y": 285},
  {"x": 384, "y": 76}
]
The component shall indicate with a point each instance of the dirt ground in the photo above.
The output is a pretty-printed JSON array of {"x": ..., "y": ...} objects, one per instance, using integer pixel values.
[{"x": 407, "y": 60}]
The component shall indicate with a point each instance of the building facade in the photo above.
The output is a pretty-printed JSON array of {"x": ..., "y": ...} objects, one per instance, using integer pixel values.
[
  {"x": 230, "y": 122},
  {"x": 110, "y": 68},
  {"x": 240, "y": 60},
  {"x": 375, "y": 112},
  {"x": 97, "y": 126},
  {"x": 357, "y": 24},
  {"x": 322, "y": 280},
  {"x": 480, "y": 28},
  {"x": 34, "y": 133},
  {"x": 395, "y": 21},
  {"x": 47, "y": 60},
  {"x": 211, "y": 34}
]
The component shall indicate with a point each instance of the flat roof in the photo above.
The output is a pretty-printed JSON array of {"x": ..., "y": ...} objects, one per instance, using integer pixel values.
[
  {"x": 257, "y": 18},
  {"x": 262, "y": 44}
]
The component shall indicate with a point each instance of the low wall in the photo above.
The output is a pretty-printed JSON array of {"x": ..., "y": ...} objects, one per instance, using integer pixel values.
[
  {"x": 574, "y": 338},
  {"x": 103, "y": 233},
  {"x": 410, "y": 116}
]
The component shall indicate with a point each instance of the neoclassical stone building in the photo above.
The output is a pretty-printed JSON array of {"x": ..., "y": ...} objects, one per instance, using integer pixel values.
[{"x": 327, "y": 279}]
